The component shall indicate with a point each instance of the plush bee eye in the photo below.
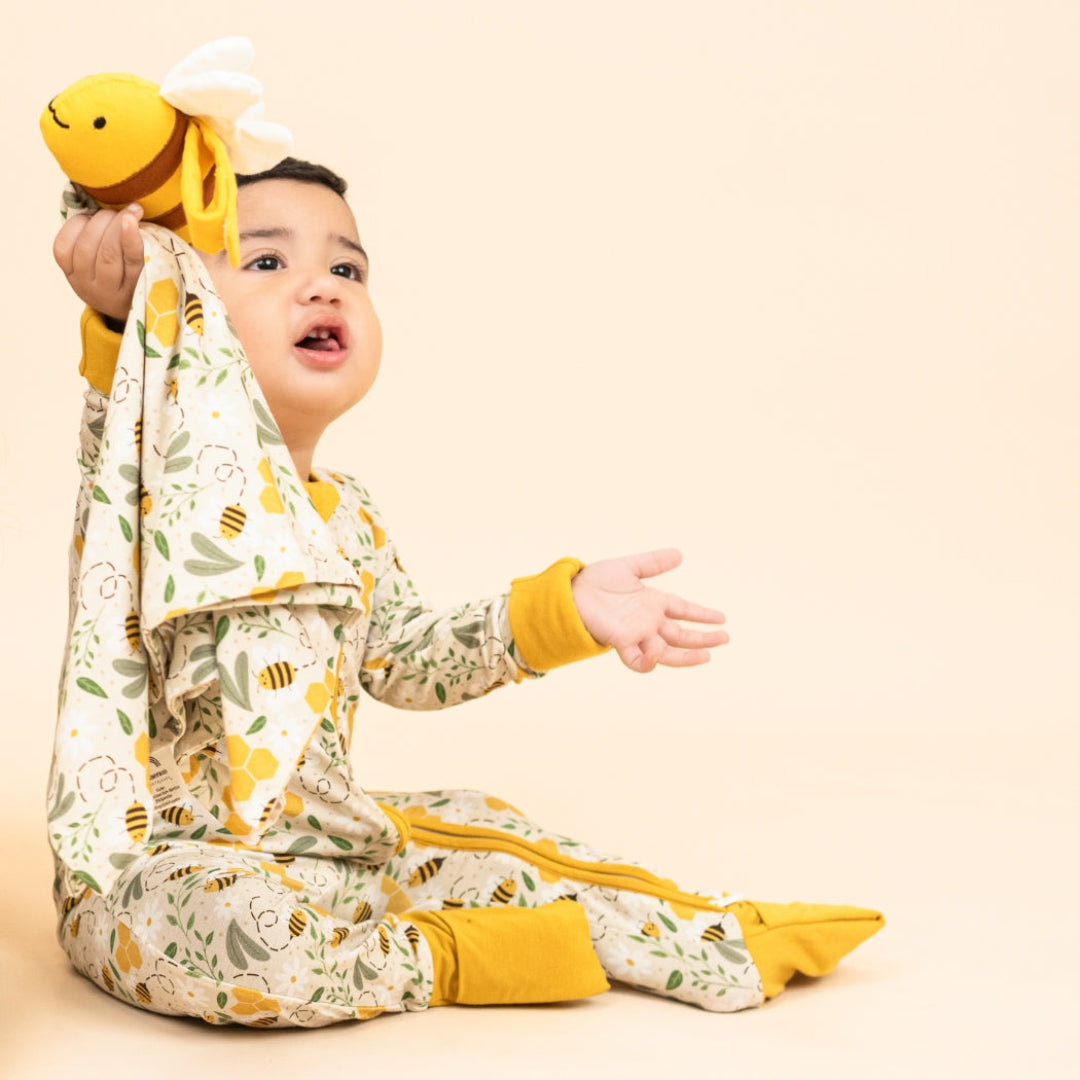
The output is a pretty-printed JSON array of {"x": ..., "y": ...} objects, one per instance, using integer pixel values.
[{"x": 99, "y": 123}]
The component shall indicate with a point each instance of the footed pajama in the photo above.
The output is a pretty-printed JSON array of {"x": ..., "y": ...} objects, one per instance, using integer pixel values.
[{"x": 215, "y": 856}]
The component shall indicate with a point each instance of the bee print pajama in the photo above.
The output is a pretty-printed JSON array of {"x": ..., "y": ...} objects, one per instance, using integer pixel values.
[{"x": 214, "y": 854}]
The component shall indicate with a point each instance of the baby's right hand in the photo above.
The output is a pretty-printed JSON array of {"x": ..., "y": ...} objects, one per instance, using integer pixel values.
[{"x": 102, "y": 256}]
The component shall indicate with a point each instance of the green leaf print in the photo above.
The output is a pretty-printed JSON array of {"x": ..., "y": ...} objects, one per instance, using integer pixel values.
[
  {"x": 529, "y": 883},
  {"x": 63, "y": 802},
  {"x": 133, "y": 891},
  {"x": 236, "y": 691},
  {"x": 258, "y": 724},
  {"x": 100, "y": 496},
  {"x": 298, "y": 846},
  {"x": 440, "y": 693},
  {"x": 161, "y": 543},
  {"x": 91, "y": 687},
  {"x": 221, "y": 629},
  {"x": 260, "y": 567},
  {"x": 125, "y": 528},
  {"x": 724, "y": 948},
  {"x": 178, "y": 444},
  {"x": 674, "y": 980},
  {"x": 140, "y": 330},
  {"x": 341, "y": 842},
  {"x": 88, "y": 879},
  {"x": 125, "y": 721},
  {"x": 237, "y": 944},
  {"x": 362, "y": 971},
  {"x": 467, "y": 634},
  {"x": 666, "y": 921},
  {"x": 222, "y": 1000},
  {"x": 267, "y": 430},
  {"x": 170, "y": 589},
  {"x": 134, "y": 670},
  {"x": 216, "y": 562},
  {"x": 415, "y": 646}
]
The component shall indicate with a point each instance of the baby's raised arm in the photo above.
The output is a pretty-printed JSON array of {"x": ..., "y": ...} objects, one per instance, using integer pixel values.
[{"x": 102, "y": 256}]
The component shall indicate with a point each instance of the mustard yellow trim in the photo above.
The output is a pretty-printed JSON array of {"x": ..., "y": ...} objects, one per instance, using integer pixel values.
[
  {"x": 100, "y": 349},
  {"x": 511, "y": 956},
  {"x": 434, "y": 832},
  {"x": 548, "y": 631}
]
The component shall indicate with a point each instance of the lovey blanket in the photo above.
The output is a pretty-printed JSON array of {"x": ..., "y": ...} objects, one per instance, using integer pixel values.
[{"x": 189, "y": 512}]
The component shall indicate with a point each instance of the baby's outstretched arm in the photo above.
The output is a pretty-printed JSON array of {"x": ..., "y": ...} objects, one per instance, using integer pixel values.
[
  {"x": 102, "y": 256},
  {"x": 641, "y": 623}
]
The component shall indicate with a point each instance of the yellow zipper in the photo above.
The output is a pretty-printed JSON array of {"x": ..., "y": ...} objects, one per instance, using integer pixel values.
[{"x": 437, "y": 833}]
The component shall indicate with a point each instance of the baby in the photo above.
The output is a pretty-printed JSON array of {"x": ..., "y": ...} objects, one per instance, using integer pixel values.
[{"x": 328, "y": 904}]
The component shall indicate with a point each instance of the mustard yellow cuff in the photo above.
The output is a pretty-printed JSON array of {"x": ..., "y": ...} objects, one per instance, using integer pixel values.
[
  {"x": 548, "y": 631},
  {"x": 510, "y": 956},
  {"x": 100, "y": 348}
]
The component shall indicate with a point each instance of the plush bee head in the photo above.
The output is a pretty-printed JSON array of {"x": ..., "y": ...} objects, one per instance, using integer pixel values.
[{"x": 174, "y": 149}]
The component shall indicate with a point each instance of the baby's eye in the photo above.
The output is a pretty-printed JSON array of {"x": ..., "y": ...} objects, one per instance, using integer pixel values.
[
  {"x": 348, "y": 270},
  {"x": 265, "y": 262}
]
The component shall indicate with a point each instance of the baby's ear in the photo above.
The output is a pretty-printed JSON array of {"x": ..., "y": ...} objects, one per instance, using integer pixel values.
[{"x": 211, "y": 224}]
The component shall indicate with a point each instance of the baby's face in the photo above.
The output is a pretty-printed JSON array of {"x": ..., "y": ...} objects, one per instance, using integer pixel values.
[{"x": 300, "y": 303}]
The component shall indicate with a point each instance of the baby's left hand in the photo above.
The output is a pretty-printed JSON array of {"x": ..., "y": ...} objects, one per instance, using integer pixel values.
[{"x": 639, "y": 622}]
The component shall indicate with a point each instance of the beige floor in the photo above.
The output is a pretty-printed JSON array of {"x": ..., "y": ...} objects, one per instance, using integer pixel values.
[{"x": 969, "y": 849}]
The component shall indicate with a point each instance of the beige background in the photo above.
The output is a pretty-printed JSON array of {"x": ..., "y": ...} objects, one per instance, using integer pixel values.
[{"x": 790, "y": 285}]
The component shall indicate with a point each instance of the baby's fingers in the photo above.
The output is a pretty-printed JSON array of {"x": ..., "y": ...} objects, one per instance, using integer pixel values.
[
  {"x": 678, "y": 608},
  {"x": 66, "y": 239},
  {"x": 120, "y": 253},
  {"x": 681, "y": 637},
  {"x": 650, "y": 563}
]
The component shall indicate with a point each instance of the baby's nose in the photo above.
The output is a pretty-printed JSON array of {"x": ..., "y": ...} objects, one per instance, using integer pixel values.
[{"x": 323, "y": 288}]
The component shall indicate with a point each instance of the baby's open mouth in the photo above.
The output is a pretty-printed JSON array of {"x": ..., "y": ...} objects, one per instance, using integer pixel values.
[{"x": 323, "y": 340}]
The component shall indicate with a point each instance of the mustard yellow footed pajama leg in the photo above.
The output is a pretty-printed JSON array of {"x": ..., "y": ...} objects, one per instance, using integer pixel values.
[{"x": 512, "y": 956}]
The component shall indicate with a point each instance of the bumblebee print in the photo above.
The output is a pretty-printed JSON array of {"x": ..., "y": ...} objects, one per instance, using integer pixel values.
[
  {"x": 232, "y": 521},
  {"x": 193, "y": 314},
  {"x": 219, "y": 884},
  {"x": 425, "y": 872},
  {"x": 276, "y": 676},
  {"x": 131, "y": 630},
  {"x": 136, "y": 821},
  {"x": 505, "y": 892}
]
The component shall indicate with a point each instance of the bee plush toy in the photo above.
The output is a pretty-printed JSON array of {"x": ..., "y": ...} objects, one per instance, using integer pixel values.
[{"x": 174, "y": 149}]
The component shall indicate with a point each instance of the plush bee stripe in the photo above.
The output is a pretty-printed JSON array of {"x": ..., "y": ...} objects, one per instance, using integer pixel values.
[{"x": 153, "y": 175}]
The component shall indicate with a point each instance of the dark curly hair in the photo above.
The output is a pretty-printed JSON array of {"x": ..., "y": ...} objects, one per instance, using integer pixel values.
[{"x": 295, "y": 169}]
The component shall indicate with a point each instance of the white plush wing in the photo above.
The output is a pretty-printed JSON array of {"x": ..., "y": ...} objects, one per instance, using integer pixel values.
[
  {"x": 256, "y": 144},
  {"x": 212, "y": 83},
  {"x": 231, "y": 54}
]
